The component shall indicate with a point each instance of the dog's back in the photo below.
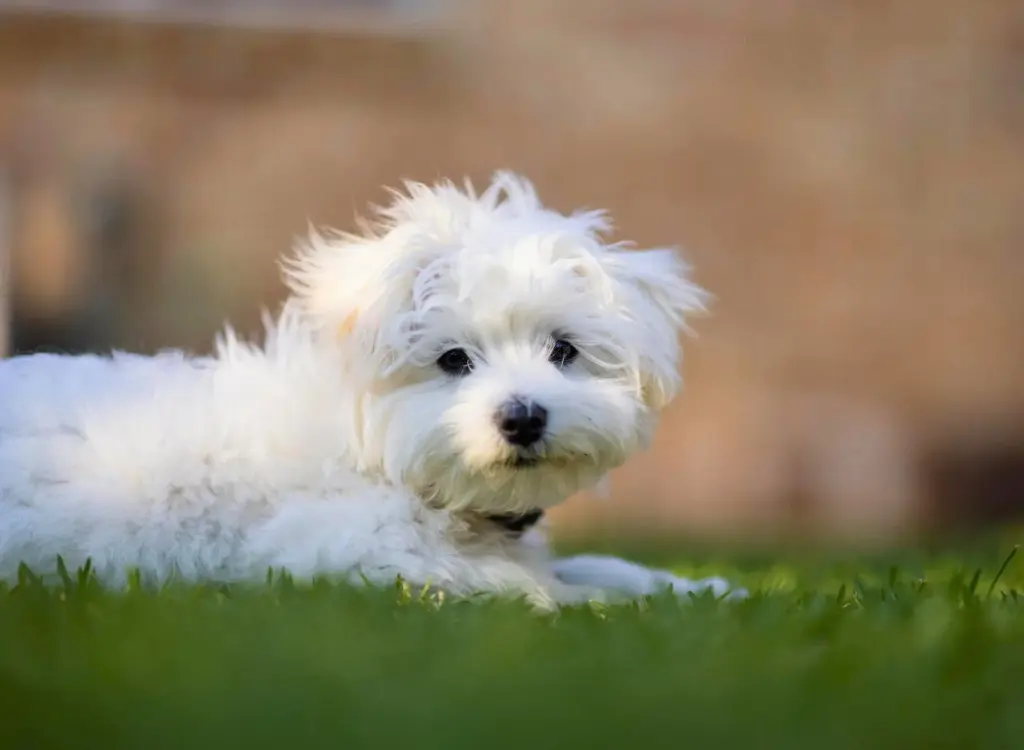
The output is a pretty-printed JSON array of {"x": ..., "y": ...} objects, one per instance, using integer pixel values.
[
  {"x": 45, "y": 394},
  {"x": 74, "y": 448},
  {"x": 130, "y": 457}
]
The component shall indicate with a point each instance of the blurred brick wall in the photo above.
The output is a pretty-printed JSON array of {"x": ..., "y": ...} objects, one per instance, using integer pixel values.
[{"x": 847, "y": 178}]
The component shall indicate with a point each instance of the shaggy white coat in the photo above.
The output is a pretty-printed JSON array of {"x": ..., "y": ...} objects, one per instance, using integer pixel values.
[{"x": 337, "y": 446}]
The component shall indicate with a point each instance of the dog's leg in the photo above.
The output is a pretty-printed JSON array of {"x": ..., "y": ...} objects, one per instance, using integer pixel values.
[
  {"x": 379, "y": 539},
  {"x": 630, "y": 579},
  {"x": 541, "y": 589}
]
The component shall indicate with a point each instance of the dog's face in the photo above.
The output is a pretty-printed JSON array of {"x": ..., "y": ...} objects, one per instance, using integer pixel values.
[{"x": 502, "y": 355}]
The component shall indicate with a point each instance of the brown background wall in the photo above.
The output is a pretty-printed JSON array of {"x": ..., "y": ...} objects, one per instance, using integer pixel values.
[{"x": 847, "y": 178}]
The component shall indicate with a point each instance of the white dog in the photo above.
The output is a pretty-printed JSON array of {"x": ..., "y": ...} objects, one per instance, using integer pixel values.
[{"x": 430, "y": 388}]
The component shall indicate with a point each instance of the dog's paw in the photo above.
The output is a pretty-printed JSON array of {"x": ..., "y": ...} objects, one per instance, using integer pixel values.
[
  {"x": 720, "y": 587},
  {"x": 628, "y": 579}
]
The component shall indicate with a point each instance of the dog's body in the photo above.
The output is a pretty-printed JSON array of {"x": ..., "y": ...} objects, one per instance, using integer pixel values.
[{"x": 470, "y": 360}]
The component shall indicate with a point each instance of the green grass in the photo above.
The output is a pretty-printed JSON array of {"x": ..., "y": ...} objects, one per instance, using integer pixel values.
[{"x": 904, "y": 651}]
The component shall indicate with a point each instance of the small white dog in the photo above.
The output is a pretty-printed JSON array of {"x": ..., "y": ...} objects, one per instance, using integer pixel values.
[{"x": 430, "y": 388}]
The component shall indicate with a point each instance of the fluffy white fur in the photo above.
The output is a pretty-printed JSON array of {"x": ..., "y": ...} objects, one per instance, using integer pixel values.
[{"x": 338, "y": 447}]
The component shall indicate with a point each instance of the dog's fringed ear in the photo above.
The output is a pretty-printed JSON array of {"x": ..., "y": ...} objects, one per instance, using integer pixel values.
[
  {"x": 659, "y": 296},
  {"x": 338, "y": 281}
]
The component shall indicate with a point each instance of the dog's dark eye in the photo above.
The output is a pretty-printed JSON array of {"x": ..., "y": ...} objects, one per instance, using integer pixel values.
[
  {"x": 455, "y": 362},
  {"x": 562, "y": 353}
]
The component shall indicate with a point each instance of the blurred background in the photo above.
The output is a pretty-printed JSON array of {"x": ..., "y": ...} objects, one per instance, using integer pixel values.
[{"x": 847, "y": 177}]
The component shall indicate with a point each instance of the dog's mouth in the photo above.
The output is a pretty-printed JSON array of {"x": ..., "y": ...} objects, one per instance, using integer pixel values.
[{"x": 524, "y": 461}]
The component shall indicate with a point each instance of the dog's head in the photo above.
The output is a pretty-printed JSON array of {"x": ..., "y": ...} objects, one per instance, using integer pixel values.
[{"x": 504, "y": 355}]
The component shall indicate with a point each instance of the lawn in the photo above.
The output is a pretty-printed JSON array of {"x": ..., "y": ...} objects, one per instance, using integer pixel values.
[{"x": 911, "y": 650}]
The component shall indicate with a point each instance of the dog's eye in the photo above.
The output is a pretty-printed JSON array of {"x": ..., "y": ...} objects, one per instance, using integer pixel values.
[
  {"x": 562, "y": 353},
  {"x": 455, "y": 362}
]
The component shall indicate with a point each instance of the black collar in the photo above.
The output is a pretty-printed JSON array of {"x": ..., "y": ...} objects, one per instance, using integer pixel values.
[{"x": 516, "y": 523}]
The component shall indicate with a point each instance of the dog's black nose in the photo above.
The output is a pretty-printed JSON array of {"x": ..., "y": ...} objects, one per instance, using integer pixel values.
[{"x": 521, "y": 422}]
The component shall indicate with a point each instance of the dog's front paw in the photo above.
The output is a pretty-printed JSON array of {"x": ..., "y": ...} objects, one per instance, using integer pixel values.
[
  {"x": 720, "y": 587},
  {"x": 630, "y": 580}
]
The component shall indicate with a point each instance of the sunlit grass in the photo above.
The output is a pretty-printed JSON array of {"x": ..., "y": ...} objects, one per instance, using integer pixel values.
[{"x": 919, "y": 649}]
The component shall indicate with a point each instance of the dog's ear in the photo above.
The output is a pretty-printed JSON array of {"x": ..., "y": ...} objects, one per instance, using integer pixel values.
[
  {"x": 656, "y": 293},
  {"x": 350, "y": 284},
  {"x": 345, "y": 283}
]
